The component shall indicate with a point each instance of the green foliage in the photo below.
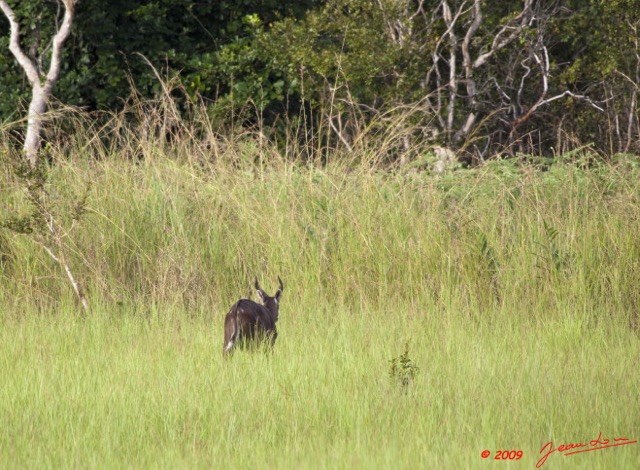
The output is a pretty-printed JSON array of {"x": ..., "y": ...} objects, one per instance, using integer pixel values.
[
  {"x": 344, "y": 48},
  {"x": 104, "y": 53},
  {"x": 49, "y": 219},
  {"x": 42, "y": 205},
  {"x": 402, "y": 370},
  {"x": 349, "y": 60}
]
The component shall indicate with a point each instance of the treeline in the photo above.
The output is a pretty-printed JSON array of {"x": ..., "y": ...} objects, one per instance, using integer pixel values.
[{"x": 524, "y": 77}]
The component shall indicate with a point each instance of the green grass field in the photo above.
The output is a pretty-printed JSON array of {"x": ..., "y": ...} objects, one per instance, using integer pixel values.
[{"x": 515, "y": 288}]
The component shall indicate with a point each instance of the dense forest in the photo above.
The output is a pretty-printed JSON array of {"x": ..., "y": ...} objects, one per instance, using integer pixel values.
[{"x": 482, "y": 78}]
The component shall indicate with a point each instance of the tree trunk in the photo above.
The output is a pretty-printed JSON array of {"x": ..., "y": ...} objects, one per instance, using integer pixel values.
[
  {"x": 37, "y": 108},
  {"x": 41, "y": 91}
]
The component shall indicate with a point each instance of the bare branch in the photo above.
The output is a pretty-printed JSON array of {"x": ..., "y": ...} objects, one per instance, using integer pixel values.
[
  {"x": 540, "y": 56},
  {"x": 450, "y": 21},
  {"x": 339, "y": 134},
  {"x": 504, "y": 36},
  {"x": 72, "y": 280},
  {"x": 468, "y": 69},
  {"x": 566, "y": 93},
  {"x": 397, "y": 28},
  {"x": 499, "y": 41},
  {"x": 453, "y": 81},
  {"x": 527, "y": 72},
  {"x": 635, "y": 84},
  {"x": 471, "y": 32},
  {"x": 57, "y": 238},
  {"x": 58, "y": 42},
  {"x": 25, "y": 62}
]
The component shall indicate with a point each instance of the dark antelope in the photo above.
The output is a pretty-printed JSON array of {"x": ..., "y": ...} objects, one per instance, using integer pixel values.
[{"x": 250, "y": 322}]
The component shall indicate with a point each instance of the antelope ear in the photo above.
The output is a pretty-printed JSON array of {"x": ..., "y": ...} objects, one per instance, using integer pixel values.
[
  {"x": 261, "y": 295},
  {"x": 278, "y": 295}
]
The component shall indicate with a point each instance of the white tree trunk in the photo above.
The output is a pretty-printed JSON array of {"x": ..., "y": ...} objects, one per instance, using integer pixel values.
[
  {"x": 37, "y": 108},
  {"x": 41, "y": 90}
]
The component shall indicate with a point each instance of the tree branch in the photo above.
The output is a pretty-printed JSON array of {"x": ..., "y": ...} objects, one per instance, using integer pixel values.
[
  {"x": 74, "y": 284},
  {"x": 468, "y": 70},
  {"x": 25, "y": 62},
  {"x": 450, "y": 22},
  {"x": 40, "y": 92},
  {"x": 542, "y": 59},
  {"x": 584, "y": 98},
  {"x": 499, "y": 42},
  {"x": 466, "y": 56},
  {"x": 505, "y": 36},
  {"x": 58, "y": 42}
]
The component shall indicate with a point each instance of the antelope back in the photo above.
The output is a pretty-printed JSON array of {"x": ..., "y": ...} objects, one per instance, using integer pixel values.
[{"x": 251, "y": 322}]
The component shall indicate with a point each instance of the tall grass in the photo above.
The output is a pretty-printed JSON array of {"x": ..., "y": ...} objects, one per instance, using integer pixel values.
[{"x": 515, "y": 287}]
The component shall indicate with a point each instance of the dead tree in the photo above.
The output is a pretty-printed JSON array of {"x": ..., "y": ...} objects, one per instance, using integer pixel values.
[
  {"x": 485, "y": 83},
  {"x": 462, "y": 23}
]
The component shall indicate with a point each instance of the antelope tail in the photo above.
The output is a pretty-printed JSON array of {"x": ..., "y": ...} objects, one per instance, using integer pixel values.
[{"x": 228, "y": 346}]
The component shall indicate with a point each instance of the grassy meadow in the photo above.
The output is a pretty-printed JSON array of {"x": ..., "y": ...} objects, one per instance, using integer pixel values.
[{"x": 513, "y": 288}]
